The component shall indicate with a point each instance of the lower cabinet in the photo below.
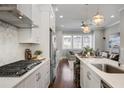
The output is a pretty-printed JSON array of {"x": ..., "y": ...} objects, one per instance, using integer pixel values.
[
  {"x": 91, "y": 80},
  {"x": 81, "y": 74},
  {"x": 38, "y": 79},
  {"x": 88, "y": 78}
]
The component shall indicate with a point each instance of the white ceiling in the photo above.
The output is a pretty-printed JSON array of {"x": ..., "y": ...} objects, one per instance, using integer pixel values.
[{"x": 73, "y": 14}]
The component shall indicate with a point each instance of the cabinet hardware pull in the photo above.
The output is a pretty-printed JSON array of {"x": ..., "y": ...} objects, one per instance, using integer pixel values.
[
  {"x": 38, "y": 76},
  {"x": 88, "y": 75}
]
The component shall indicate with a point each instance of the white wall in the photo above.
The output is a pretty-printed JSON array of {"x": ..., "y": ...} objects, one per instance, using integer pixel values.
[
  {"x": 10, "y": 49},
  {"x": 59, "y": 35},
  {"x": 122, "y": 36},
  {"x": 109, "y": 31},
  {"x": 98, "y": 41},
  {"x": 122, "y": 28}
]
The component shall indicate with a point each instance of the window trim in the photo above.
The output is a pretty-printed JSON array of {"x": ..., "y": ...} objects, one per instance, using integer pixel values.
[
  {"x": 73, "y": 42},
  {"x": 82, "y": 43},
  {"x": 63, "y": 42}
]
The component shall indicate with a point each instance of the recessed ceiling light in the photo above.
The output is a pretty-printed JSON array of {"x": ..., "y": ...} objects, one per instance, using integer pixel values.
[
  {"x": 20, "y": 17},
  {"x": 61, "y": 16},
  {"x": 56, "y": 9},
  {"x": 112, "y": 16}
]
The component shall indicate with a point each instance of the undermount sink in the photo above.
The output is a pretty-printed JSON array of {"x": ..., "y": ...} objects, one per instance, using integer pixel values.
[{"x": 108, "y": 68}]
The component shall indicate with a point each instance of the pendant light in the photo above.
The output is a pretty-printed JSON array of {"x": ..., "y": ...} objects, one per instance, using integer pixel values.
[
  {"x": 98, "y": 19},
  {"x": 85, "y": 26}
]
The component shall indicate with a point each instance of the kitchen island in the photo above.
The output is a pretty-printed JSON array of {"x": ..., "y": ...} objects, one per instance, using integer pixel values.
[
  {"x": 95, "y": 76},
  {"x": 37, "y": 77}
]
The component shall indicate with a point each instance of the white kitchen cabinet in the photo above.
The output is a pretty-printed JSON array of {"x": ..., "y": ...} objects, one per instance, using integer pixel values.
[
  {"x": 38, "y": 79},
  {"x": 82, "y": 74},
  {"x": 42, "y": 16},
  {"x": 32, "y": 11},
  {"x": 28, "y": 36},
  {"x": 30, "y": 82},
  {"x": 32, "y": 35},
  {"x": 35, "y": 13},
  {"x": 91, "y": 80},
  {"x": 46, "y": 74},
  {"x": 25, "y": 9}
]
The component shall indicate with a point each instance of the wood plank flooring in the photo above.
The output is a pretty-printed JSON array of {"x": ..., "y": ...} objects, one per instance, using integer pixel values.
[{"x": 65, "y": 75}]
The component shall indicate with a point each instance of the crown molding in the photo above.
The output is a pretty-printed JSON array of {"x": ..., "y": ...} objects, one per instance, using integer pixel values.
[{"x": 115, "y": 23}]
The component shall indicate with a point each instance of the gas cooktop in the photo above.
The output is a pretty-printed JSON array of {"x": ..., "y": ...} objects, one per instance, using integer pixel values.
[{"x": 18, "y": 68}]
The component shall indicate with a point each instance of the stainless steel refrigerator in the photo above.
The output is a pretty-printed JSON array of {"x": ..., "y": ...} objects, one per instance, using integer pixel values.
[{"x": 52, "y": 55}]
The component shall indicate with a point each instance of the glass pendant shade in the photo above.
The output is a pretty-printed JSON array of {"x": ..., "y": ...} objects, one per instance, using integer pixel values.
[
  {"x": 98, "y": 19},
  {"x": 86, "y": 29}
]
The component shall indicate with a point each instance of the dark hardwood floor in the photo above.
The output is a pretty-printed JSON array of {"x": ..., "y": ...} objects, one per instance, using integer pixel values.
[{"x": 64, "y": 77}]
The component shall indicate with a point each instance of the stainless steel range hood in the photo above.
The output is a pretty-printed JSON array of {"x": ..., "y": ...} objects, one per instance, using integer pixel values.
[{"x": 11, "y": 15}]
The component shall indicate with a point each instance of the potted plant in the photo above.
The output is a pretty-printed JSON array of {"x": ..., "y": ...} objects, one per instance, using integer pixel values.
[
  {"x": 88, "y": 51},
  {"x": 38, "y": 53}
]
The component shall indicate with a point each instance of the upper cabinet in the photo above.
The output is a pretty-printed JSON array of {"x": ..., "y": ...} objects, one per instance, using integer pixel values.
[
  {"x": 25, "y": 9},
  {"x": 42, "y": 17},
  {"x": 31, "y": 35},
  {"x": 31, "y": 11}
]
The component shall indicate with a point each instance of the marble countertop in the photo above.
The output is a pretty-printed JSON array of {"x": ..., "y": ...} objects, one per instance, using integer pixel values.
[
  {"x": 11, "y": 82},
  {"x": 113, "y": 79}
]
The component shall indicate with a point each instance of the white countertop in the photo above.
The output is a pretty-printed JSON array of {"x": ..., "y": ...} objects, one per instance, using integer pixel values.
[
  {"x": 10, "y": 82},
  {"x": 114, "y": 80}
]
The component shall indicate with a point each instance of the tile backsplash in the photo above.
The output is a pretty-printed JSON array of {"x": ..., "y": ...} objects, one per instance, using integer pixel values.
[{"x": 10, "y": 49}]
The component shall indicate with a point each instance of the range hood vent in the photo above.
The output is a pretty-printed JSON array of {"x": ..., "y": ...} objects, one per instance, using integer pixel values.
[{"x": 11, "y": 15}]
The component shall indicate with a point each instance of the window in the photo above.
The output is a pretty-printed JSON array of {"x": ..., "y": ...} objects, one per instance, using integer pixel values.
[
  {"x": 87, "y": 40},
  {"x": 77, "y": 41},
  {"x": 67, "y": 42}
]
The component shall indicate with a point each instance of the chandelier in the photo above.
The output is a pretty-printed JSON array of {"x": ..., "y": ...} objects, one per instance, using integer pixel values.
[
  {"x": 98, "y": 19},
  {"x": 85, "y": 28}
]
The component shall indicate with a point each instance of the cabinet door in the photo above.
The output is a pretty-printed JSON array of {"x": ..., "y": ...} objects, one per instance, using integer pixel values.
[
  {"x": 92, "y": 80},
  {"x": 30, "y": 82},
  {"x": 26, "y": 9},
  {"x": 46, "y": 74},
  {"x": 47, "y": 80},
  {"x": 81, "y": 76},
  {"x": 36, "y": 18},
  {"x": 43, "y": 76},
  {"x": 39, "y": 79},
  {"x": 35, "y": 13},
  {"x": 85, "y": 75}
]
